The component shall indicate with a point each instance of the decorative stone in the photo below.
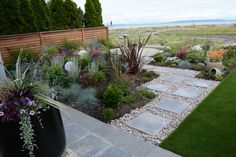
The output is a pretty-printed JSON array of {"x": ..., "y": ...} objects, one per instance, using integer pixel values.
[
  {"x": 172, "y": 105},
  {"x": 175, "y": 78},
  {"x": 69, "y": 66},
  {"x": 198, "y": 83},
  {"x": 188, "y": 92},
  {"x": 159, "y": 87},
  {"x": 148, "y": 123},
  {"x": 82, "y": 53}
]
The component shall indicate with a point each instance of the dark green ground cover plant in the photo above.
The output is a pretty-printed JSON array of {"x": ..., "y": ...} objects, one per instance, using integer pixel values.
[{"x": 210, "y": 129}]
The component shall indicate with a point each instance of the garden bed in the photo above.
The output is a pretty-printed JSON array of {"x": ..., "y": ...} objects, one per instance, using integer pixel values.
[
  {"x": 92, "y": 79},
  {"x": 214, "y": 63}
]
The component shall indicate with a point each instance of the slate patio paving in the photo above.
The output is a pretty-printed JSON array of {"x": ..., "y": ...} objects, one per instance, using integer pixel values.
[{"x": 88, "y": 137}]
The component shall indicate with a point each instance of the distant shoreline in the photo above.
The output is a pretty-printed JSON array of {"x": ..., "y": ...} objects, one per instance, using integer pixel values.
[{"x": 175, "y": 23}]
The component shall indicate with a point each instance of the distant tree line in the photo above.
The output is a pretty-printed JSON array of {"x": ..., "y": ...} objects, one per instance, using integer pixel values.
[{"x": 24, "y": 16}]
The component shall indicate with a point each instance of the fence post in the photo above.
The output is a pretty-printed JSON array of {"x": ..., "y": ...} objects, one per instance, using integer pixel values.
[
  {"x": 107, "y": 33},
  {"x": 41, "y": 40},
  {"x": 83, "y": 37}
]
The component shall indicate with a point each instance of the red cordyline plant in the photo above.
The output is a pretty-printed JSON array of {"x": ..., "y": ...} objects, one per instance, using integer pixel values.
[
  {"x": 182, "y": 52},
  {"x": 132, "y": 54},
  {"x": 21, "y": 98}
]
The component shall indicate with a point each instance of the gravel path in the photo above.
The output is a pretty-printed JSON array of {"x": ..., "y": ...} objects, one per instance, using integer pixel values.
[{"x": 174, "y": 79}]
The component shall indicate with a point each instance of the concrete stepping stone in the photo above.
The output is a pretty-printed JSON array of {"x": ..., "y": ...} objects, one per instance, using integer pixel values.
[
  {"x": 163, "y": 70},
  {"x": 158, "y": 87},
  {"x": 115, "y": 152},
  {"x": 198, "y": 83},
  {"x": 89, "y": 146},
  {"x": 148, "y": 123},
  {"x": 172, "y": 105},
  {"x": 175, "y": 78},
  {"x": 188, "y": 92},
  {"x": 186, "y": 73}
]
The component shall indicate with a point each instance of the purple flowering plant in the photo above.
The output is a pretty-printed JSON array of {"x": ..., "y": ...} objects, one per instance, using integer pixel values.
[{"x": 22, "y": 98}]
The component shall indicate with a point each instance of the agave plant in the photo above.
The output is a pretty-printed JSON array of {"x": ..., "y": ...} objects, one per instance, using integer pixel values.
[
  {"x": 132, "y": 54},
  {"x": 21, "y": 98}
]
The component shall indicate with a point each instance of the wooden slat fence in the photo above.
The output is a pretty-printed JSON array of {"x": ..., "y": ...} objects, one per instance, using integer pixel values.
[{"x": 36, "y": 41}]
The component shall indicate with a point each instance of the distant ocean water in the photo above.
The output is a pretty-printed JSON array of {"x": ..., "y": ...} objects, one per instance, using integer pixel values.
[{"x": 175, "y": 23}]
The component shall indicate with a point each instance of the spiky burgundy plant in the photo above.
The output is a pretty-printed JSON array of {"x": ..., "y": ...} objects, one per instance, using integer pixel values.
[{"x": 132, "y": 54}]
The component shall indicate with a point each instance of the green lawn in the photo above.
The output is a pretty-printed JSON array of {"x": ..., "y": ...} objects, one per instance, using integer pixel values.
[{"x": 210, "y": 130}]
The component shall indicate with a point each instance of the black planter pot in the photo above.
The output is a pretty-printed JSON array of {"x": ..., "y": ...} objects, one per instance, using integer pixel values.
[{"x": 50, "y": 140}]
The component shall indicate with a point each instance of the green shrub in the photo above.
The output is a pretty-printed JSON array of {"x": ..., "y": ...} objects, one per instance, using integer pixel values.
[
  {"x": 51, "y": 51},
  {"x": 99, "y": 77},
  {"x": 71, "y": 45},
  {"x": 229, "y": 57},
  {"x": 129, "y": 99},
  {"x": 195, "y": 57},
  {"x": 151, "y": 74},
  {"x": 108, "y": 114},
  {"x": 110, "y": 44},
  {"x": 84, "y": 61},
  {"x": 56, "y": 76},
  {"x": 27, "y": 55},
  {"x": 158, "y": 57},
  {"x": 143, "y": 92},
  {"x": 113, "y": 95}
]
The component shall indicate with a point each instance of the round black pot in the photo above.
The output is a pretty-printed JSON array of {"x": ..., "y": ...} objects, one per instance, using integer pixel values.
[{"x": 50, "y": 139}]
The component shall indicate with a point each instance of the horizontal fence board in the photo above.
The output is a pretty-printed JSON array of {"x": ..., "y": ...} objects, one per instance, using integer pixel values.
[{"x": 37, "y": 40}]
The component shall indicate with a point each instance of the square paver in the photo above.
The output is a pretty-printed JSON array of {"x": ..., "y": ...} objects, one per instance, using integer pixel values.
[
  {"x": 158, "y": 87},
  {"x": 89, "y": 146},
  {"x": 172, "y": 105},
  {"x": 163, "y": 70},
  {"x": 148, "y": 123},
  {"x": 74, "y": 131},
  {"x": 175, "y": 78},
  {"x": 187, "y": 73},
  {"x": 199, "y": 83},
  {"x": 188, "y": 92},
  {"x": 115, "y": 152}
]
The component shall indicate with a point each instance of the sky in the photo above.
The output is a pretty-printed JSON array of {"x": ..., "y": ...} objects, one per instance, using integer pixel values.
[{"x": 155, "y": 11}]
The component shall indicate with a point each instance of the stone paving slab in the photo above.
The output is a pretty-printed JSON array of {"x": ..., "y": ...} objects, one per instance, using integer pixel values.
[
  {"x": 73, "y": 132},
  {"x": 188, "y": 92},
  {"x": 158, "y": 87},
  {"x": 199, "y": 83},
  {"x": 89, "y": 146},
  {"x": 172, "y": 105},
  {"x": 188, "y": 73},
  {"x": 174, "y": 79},
  {"x": 148, "y": 123},
  {"x": 115, "y": 152}
]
